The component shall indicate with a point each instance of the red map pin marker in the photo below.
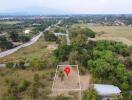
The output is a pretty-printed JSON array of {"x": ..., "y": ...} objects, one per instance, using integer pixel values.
[{"x": 67, "y": 70}]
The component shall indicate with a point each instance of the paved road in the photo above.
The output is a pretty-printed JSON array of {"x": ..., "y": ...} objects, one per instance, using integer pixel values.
[
  {"x": 67, "y": 38},
  {"x": 32, "y": 41},
  {"x": 2, "y": 65},
  {"x": 3, "y": 34},
  {"x": 10, "y": 51}
]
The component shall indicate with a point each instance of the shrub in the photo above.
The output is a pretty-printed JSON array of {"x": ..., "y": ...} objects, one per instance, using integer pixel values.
[
  {"x": 61, "y": 97},
  {"x": 10, "y": 97},
  {"x": 91, "y": 95},
  {"x": 33, "y": 91},
  {"x": 23, "y": 85},
  {"x": 10, "y": 65}
]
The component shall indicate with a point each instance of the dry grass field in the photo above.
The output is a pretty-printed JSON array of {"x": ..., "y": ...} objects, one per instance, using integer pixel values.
[
  {"x": 113, "y": 31},
  {"x": 11, "y": 22},
  {"x": 17, "y": 75}
]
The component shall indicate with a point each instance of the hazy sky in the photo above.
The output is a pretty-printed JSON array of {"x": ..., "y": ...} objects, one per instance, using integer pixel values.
[{"x": 69, "y": 6}]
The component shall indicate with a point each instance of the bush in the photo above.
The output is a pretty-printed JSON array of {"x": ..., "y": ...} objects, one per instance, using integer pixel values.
[
  {"x": 91, "y": 95},
  {"x": 36, "y": 64},
  {"x": 23, "y": 85},
  {"x": 21, "y": 65},
  {"x": 5, "y": 44},
  {"x": 24, "y": 38},
  {"x": 50, "y": 37},
  {"x": 12, "y": 89},
  {"x": 10, "y": 97},
  {"x": 61, "y": 97},
  {"x": 33, "y": 91},
  {"x": 10, "y": 65}
]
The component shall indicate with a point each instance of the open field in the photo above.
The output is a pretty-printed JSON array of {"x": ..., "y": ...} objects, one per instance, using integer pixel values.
[
  {"x": 39, "y": 49},
  {"x": 10, "y": 22},
  {"x": 113, "y": 31},
  {"x": 110, "y": 31}
]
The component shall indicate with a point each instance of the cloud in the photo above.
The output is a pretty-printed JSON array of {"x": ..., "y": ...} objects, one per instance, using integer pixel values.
[{"x": 71, "y": 6}]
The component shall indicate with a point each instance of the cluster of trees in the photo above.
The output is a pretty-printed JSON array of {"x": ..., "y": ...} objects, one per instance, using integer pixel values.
[
  {"x": 43, "y": 25},
  {"x": 101, "y": 59},
  {"x": 49, "y": 36},
  {"x": 15, "y": 88},
  {"x": 105, "y": 65},
  {"x": 18, "y": 38},
  {"x": 34, "y": 64},
  {"x": 91, "y": 95},
  {"x": 57, "y": 30},
  {"x": 5, "y": 44},
  {"x": 73, "y": 32}
]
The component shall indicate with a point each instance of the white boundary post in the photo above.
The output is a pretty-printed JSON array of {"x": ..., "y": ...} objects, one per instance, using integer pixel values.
[
  {"x": 55, "y": 76},
  {"x": 79, "y": 77}
]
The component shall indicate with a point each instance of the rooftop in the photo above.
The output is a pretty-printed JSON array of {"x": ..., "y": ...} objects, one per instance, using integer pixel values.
[{"x": 107, "y": 90}]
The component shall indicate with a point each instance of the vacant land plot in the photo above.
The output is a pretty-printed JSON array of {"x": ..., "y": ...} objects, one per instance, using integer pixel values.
[{"x": 62, "y": 82}]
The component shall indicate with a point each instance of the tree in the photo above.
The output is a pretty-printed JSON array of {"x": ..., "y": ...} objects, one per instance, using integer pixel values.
[
  {"x": 24, "y": 38},
  {"x": 23, "y": 85},
  {"x": 14, "y": 36},
  {"x": 61, "y": 75},
  {"x": 50, "y": 37},
  {"x": 36, "y": 64},
  {"x": 62, "y": 53},
  {"x": 33, "y": 91},
  {"x": 10, "y": 97},
  {"x": 21, "y": 64},
  {"x": 73, "y": 56},
  {"x": 36, "y": 80},
  {"x": 5, "y": 44},
  {"x": 91, "y": 95},
  {"x": 80, "y": 40},
  {"x": 12, "y": 89},
  {"x": 9, "y": 65}
]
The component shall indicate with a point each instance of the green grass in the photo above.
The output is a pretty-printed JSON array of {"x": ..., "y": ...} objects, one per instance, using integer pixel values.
[{"x": 39, "y": 49}]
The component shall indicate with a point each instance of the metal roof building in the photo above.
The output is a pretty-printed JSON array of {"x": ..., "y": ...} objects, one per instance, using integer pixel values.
[{"x": 106, "y": 90}]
